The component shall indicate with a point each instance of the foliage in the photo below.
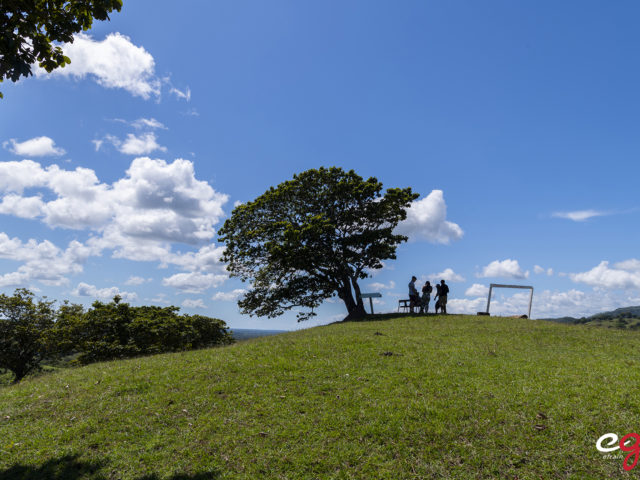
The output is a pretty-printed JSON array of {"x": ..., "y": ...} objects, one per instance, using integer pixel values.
[
  {"x": 25, "y": 327},
  {"x": 456, "y": 397},
  {"x": 311, "y": 238},
  {"x": 117, "y": 330},
  {"x": 29, "y": 28}
]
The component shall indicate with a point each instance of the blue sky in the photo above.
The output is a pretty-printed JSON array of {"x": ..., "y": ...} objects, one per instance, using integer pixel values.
[{"x": 516, "y": 122}]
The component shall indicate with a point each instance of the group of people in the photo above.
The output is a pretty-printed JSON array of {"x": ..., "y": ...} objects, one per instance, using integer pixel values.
[{"x": 415, "y": 300}]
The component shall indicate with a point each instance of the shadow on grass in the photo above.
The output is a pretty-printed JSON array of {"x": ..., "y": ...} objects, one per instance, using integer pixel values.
[
  {"x": 70, "y": 467},
  {"x": 381, "y": 317}
]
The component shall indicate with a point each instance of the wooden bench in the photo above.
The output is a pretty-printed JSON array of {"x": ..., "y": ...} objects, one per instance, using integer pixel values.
[{"x": 404, "y": 305}]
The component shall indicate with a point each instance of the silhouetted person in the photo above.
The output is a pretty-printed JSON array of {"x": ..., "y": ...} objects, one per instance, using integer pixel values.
[
  {"x": 426, "y": 297},
  {"x": 441, "y": 295},
  {"x": 414, "y": 298}
]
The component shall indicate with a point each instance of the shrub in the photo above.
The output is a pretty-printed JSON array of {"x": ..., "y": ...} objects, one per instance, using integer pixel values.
[{"x": 117, "y": 330}]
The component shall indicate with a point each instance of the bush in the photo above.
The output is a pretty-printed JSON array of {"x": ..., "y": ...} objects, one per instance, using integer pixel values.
[
  {"x": 25, "y": 332},
  {"x": 117, "y": 330},
  {"x": 31, "y": 331}
]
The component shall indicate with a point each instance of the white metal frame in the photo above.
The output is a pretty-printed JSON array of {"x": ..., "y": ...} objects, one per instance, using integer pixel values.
[{"x": 498, "y": 285}]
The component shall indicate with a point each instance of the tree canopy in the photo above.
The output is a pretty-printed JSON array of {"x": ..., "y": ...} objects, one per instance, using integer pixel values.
[
  {"x": 28, "y": 28},
  {"x": 312, "y": 238}
]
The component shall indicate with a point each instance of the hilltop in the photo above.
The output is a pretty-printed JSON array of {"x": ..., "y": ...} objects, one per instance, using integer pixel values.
[{"x": 407, "y": 397}]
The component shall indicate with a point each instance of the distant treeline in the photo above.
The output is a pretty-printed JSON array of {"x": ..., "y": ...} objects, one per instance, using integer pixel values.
[
  {"x": 621, "y": 318},
  {"x": 32, "y": 330},
  {"x": 247, "y": 333},
  {"x": 626, "y": 312}
]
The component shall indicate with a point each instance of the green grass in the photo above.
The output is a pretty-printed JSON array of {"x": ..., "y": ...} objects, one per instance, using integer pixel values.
[{"x": 412, "y": 397}]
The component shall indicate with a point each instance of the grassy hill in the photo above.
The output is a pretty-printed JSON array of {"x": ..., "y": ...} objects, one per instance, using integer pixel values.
[{"x": 412, "y": 397}]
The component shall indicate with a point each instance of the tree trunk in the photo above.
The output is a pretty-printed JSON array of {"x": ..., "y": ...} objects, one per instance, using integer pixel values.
[
  {"x": 18, "y": 375},
  {"x": 360, "y": 311},
  {"x": 355, "y": 309}
]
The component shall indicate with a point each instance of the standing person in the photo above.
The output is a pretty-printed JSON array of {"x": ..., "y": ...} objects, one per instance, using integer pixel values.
[
  {"x": 426, "y": 297},
  {"x": 437, "y": 297},
  {"x": 414, "y": 298},
  {"x": 443, "y": 292}
]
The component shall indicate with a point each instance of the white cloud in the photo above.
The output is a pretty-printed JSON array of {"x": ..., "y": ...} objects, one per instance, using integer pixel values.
[
  {"x": 184, "y": 95},
  {"x": 86, "y": 290},
  {"x": 381, "y": 286},
  {"x": 466, "y": 305},
  {"x": 147, "y": 123},
  {"x": 138, "y": 217},
  {"x": 206, "y": 259},
  {"x": 448, "y": 275},
  {"x": 114, "y": 62},
  {"x": 580, "y": 215},
  {"x": 142, "y": 123},
  {"x": 35, "y": 147},
  {"x": 156, "y": 200},
  {"x": 229, "y": 296},
  {"x": 41, "y": 261},
  {"x": 537, "y": 269},
  {"x": 23, "y": 207},
  {"x": 626, "y": 276},
  {"x": 165, "y": 201},
  {"x": 140, "y": 144},
  {"x": 134, "y": 280},
  {"x": 160, "y": 298},
  {"x": 194, "y": 282},
  {"x": 16, "y": 176},
  {"x": 505, "y": 268},
  {"x": 426, "y": 220},
  {"x": 193, "y": 303},
  {"x": 631, "y": 265},
  {"x": 477, "y": 290}
]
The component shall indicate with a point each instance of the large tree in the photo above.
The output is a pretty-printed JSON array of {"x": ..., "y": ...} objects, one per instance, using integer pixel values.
[
  {"x": 28, "y": 28},
  {"x": 312, "y": 238},
  {"x": 25, "y": 327}
]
